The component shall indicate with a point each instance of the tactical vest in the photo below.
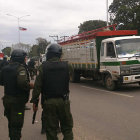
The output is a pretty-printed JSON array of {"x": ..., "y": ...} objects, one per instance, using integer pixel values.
[
  {"x": 10, "y": 80},
  {"x": 55, "y": 79},
  {"x": 3, "y": 63}
]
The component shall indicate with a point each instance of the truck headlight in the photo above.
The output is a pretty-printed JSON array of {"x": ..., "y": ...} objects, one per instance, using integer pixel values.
[{"x": 122, "y": 72}]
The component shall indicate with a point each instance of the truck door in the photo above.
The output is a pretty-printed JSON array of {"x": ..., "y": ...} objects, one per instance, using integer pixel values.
[
  {"x": 110, "y": 57},
  {"x": 107, "y": 56},
  {"x": 110, "y": 51}
]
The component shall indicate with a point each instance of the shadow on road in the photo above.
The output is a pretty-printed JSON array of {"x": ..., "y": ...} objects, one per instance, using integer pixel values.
[{"x": 129, "y": 88}]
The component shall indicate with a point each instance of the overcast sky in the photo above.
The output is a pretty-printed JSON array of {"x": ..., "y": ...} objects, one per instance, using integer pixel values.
[{"x": 47, "y": 17}]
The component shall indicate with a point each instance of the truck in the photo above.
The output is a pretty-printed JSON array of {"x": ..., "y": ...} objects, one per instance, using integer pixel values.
[{"x": 106, "y": 54}]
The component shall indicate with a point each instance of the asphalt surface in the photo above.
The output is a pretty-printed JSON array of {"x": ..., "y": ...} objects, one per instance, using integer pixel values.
[{"x": 98, "y": 114}]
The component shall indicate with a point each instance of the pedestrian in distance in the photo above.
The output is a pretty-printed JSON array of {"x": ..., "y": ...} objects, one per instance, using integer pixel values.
[
  {"x": 53, "y": 81},
  {"x": 16, "y": 84},
  {"x": 31, "y": 68},
  {"x": 28, "y": 77}
]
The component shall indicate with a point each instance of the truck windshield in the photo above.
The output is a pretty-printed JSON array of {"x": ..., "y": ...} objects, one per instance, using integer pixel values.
[{"x": 128, "y": 47}]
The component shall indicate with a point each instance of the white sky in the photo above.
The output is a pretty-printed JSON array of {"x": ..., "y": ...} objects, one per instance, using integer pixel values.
[{"x": 47, "y": 17}]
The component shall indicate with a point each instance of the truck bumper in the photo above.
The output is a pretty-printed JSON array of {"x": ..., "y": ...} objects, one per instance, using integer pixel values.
[{"x": 130, "y": 79}]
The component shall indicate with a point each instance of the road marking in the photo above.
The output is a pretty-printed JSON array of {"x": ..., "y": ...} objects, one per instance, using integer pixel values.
[{"x": 120, "y": 94}]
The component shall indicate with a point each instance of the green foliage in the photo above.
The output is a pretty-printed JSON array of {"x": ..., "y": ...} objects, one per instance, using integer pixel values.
[
  {"x": 91, "y": 25},
  {"x": 40, "y": 48},
  {"x": 34, "y": 51},
  {"x": 42, "y": 43},
  {"x": 7, "y": 51},
  {"x": 125, "y": 13}
]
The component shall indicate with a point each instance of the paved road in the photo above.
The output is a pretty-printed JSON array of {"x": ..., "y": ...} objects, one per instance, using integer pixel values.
[
  {"x": 104, "y": 115},
  {"x": 98, "y": 114}
]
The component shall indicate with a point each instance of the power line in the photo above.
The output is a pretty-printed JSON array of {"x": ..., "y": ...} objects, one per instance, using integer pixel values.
[
  {"x": 64, "y": 37},
  {"x": 54, "y": 36}
]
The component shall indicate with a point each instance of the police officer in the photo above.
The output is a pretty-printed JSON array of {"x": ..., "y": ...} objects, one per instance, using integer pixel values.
[
  {"x": 16, "y": 84},
  {"x": 31, "y": 67},
  {"x": 53, "y": 81}
]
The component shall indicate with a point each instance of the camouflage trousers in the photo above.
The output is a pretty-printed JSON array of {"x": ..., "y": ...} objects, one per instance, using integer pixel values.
[
  {"x": 55, "y": 111},
  {"x": 14, "y": 112}
]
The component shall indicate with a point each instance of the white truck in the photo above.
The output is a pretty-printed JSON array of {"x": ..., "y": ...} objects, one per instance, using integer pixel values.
[{"x": 112, "y": 56}]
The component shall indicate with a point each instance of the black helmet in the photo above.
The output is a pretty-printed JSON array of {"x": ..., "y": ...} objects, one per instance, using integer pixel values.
[
  {"x": 18, "y": 56},
  {"x": 53, "y": 50}
]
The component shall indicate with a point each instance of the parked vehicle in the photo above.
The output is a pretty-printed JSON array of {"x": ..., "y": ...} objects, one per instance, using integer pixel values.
[
  {"x": 1, "y": 55},
  {"x": 112, "y": 56}
]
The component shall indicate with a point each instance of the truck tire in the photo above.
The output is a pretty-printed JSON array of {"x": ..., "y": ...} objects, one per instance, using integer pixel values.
[
  {"x": 75, "y": 77},
  {"x": 109, "y": 83}
]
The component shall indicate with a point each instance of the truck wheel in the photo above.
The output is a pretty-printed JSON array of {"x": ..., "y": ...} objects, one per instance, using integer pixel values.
[
  {"x": 109, "y": 83},
  {"x": 75, "y": 77}
]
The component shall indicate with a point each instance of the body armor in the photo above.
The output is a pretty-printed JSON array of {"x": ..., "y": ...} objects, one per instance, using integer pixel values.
[
  {"x": 55, "y": 79},
  {"x": 10, "y": 80}
]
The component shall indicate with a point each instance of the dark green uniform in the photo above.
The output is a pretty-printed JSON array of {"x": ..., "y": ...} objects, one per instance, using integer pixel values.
[
  {"x": 15, "y": 80},
  {"x": 43, "y": 129},
  {"x": 53, "y": 80},
  {"x": 31, "y": 68}
]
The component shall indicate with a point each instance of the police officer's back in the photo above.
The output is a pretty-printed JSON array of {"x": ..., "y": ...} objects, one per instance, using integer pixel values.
[
  {"x": 53, "y": 82},
  {"x": 16, "y": 84}
]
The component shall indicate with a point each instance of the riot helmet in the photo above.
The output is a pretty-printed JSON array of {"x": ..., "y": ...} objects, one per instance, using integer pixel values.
[
  {"x": 18, "y": 56},
  {"x": 53, "y": 50}
]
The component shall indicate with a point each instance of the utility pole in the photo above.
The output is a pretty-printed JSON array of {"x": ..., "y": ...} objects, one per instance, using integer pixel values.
[
  {"x": 18, "y": 19},
  {"x": 64, "y": 37},
  {"x": 107, "y": 12},
  {"x": 54, "y": 36}
]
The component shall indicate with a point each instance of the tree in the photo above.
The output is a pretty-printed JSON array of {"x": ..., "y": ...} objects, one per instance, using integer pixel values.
[
  {"x": 91, "y": 25},
  {"x": 125, "y": 13},
  {"x": 7, "y": 51},
  {"x": 34, "y": 51},
  {"x": 42, "y": 43},
  {"x": 39, "y": 48}
]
